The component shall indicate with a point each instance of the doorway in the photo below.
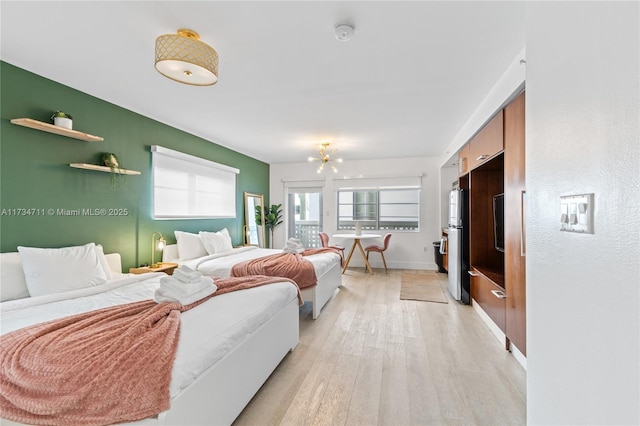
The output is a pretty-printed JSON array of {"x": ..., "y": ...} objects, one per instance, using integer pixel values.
[{"x": 304, "y": 215}]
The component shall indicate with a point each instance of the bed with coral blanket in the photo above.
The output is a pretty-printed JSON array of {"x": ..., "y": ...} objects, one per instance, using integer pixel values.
[
  {"x": 326, "y": 265},
  {"x": 215, "y": 369}
]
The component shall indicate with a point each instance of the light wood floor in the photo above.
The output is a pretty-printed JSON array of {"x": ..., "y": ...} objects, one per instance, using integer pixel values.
[{"x": 373, "y": 359}]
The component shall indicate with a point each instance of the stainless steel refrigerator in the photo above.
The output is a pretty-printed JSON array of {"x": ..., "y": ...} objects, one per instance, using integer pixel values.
[{"x": 457, "y": 244}]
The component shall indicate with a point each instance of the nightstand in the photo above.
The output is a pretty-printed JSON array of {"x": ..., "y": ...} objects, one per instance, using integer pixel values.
[{"x": 166, "y": 267}]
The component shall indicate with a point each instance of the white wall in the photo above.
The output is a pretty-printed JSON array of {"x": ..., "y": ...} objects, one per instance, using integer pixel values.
[
  {"x": 582, "y": 135},
  {"x": 448, "y": 175},
  {"x": 406, "y": 249}
]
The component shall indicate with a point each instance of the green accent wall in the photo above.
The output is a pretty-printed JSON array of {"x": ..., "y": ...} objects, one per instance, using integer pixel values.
[{"x": 35, "y": 172}]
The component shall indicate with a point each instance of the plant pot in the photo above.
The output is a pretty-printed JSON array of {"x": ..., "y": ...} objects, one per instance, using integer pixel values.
[{"x": 63, "y": 122}]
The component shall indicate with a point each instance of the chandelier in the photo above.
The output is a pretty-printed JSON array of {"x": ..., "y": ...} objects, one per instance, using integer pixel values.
[
  {"x": 325, "y": 158},
  {"x": 184, "y": 58}
]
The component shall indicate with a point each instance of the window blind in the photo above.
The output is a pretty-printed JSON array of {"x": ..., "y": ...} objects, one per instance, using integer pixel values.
[{"x": 189, "y": 187}]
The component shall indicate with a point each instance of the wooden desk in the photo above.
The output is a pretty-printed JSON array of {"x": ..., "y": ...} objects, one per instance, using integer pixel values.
[
  {"x": 356, "y": 243},
  {"x": 166, "y": 267}
]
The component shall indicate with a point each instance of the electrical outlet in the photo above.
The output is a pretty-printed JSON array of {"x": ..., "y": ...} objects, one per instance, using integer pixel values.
[{"x": 426, "y": 249}]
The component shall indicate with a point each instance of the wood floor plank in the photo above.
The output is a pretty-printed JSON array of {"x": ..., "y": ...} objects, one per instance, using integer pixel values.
[
  {"x": 372, "y": 359},
  {"x": 364, "y": 401}
]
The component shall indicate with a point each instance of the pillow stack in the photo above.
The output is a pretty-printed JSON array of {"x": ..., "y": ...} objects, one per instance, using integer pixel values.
[
  {"x": 185, "y": 286},
  {"x": 192, "y": 246}
]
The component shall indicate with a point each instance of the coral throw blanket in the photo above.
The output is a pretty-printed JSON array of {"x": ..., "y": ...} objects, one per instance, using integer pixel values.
[
  {"x": 107, "y": 366},
  {"x": 288, "y": 265}
]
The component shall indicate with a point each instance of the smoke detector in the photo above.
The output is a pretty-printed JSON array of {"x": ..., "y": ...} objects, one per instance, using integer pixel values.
[{"x": 344, "y": 32}]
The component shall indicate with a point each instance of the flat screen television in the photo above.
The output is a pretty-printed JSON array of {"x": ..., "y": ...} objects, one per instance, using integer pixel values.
[{"x": 498, "y": 221}]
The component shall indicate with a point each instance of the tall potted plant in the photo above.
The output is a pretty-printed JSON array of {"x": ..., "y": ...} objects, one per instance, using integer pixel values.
[{"x": 272, "y": 218}]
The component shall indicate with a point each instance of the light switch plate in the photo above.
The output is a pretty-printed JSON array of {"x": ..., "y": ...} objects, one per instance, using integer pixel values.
[{"x": 576, "y": 213}]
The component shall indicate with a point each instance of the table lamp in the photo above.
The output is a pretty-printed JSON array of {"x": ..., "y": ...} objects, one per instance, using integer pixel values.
[{"x": 158, "y": 244}]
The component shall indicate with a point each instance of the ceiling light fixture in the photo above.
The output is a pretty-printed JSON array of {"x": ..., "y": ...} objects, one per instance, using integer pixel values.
[
  {"x": 325, "y": 157},
  {"x": 184, "y": 58},
  {"x": 344, "y": 32}
]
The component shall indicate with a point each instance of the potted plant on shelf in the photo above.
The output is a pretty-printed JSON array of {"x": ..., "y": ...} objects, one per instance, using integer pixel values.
[
  {"x": 272, "y": 218},
  {"x": 62, "y": 119},
  {"x": 109, "y": 159}
]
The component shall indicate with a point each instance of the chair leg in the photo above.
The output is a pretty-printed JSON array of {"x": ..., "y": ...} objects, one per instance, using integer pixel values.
[{"x": 385, "y": 263}]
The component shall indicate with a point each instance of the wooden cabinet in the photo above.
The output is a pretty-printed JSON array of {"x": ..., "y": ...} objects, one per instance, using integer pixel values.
[
  {"x": 497, "y": 166},
  {"x": 514, "y": 226},
  {"x": 488, "y": 142},
  {"x": 490, "y": 296},
  {"x": 485, "y": 182},
  {"x": 463, "y": 160}
]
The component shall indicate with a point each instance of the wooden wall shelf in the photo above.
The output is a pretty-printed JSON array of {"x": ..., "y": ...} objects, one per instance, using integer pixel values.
[
  {"x": 103, "y": 169},
  {"x": 50, "y": 128}
]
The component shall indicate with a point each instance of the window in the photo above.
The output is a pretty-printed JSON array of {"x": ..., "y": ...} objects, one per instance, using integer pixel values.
[
  {"x": 188, "y": 187},
  {"x": 380, "y": 209}
]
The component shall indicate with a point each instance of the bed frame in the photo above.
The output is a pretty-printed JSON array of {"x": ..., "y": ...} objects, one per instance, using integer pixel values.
[
  {"x": 222, "y": 391},
  {"x": 220, "y": 394},
  {"x": 318, "y": 295}
]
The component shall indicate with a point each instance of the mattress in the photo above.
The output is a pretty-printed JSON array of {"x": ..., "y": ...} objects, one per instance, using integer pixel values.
[
  {"x": 224, "y": 320},
  {"x": 220, "y": 265}
]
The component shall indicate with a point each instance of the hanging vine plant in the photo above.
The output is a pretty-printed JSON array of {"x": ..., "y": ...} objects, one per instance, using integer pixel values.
[{"x": 109, "y": 159}]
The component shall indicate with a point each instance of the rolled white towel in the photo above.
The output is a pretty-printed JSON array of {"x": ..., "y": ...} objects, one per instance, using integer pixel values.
[
  {"x": 161, "y": 296},
  {"x": 293, "y": 250},
  {"x": 187, "y": 269},
  {"x": 178, "y": 288},
  {"x": 186, "y": 280},
  {"x": 187, "y": 274},
  {"x": 187, "y": 277},
  {"x": 293, "y": 245}
]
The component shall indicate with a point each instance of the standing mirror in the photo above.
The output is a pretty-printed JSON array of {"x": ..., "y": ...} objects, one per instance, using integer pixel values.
[{"x": 254, "y": 231}]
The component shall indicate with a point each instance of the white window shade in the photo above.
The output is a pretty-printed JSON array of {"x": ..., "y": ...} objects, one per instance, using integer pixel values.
[{"x": 189, "y": 187}]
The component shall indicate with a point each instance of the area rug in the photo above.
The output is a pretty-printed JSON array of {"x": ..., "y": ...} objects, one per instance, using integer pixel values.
[{"x": 424, "y": 287}]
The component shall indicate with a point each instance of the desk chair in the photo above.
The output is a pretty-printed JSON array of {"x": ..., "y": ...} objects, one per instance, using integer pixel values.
[
  {"x": 324, "y": 239},
  {"x": 378, "y": 249}
]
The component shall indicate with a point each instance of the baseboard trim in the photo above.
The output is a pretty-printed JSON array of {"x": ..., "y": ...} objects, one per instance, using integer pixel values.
[
  {"x": 377, "y": 264},
  {"x": 522, "y": 360}
]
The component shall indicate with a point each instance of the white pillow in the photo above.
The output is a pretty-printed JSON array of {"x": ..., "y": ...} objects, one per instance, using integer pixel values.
[
  {"x": 189, "y": 245},
  {"x": 216, "y": 242},
  {"x": 13, "y": 285},
  {"x": 50, "y": 271},
  {"x": 103, "y": 262}
]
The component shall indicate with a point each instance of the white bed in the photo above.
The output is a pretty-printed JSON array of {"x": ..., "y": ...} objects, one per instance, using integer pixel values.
[
  {"x": 327, "y": 266},
  {"x": 213, "y": 378}
]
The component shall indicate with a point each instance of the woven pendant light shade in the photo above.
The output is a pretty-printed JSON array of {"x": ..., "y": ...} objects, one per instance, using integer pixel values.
[{"x": 183, "y": 57}]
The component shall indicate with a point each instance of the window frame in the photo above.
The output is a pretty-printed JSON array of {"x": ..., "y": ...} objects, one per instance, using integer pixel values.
[{"x": 376, "y": 213}]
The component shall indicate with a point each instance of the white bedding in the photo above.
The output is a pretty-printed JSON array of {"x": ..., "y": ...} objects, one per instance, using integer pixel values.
[
  {"x": 220, "y": 264},
  {"x": 207, "y": 332}
]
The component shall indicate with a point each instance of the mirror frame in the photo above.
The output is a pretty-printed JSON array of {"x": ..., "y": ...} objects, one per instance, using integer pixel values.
[{"x": 250, "y": 218}]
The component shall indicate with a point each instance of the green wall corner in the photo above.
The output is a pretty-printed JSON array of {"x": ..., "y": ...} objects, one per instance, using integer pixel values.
[{"x": 46, "y": 203}]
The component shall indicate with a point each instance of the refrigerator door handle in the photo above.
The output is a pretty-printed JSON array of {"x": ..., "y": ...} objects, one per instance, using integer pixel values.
[{"x": 443, "y": 244}]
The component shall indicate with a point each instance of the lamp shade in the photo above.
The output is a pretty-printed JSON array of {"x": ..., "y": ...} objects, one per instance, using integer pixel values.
[{"x": 185, "y": 58}]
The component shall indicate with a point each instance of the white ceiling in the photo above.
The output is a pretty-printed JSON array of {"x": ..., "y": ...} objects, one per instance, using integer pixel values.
[{"x": 403, "y": 87}]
